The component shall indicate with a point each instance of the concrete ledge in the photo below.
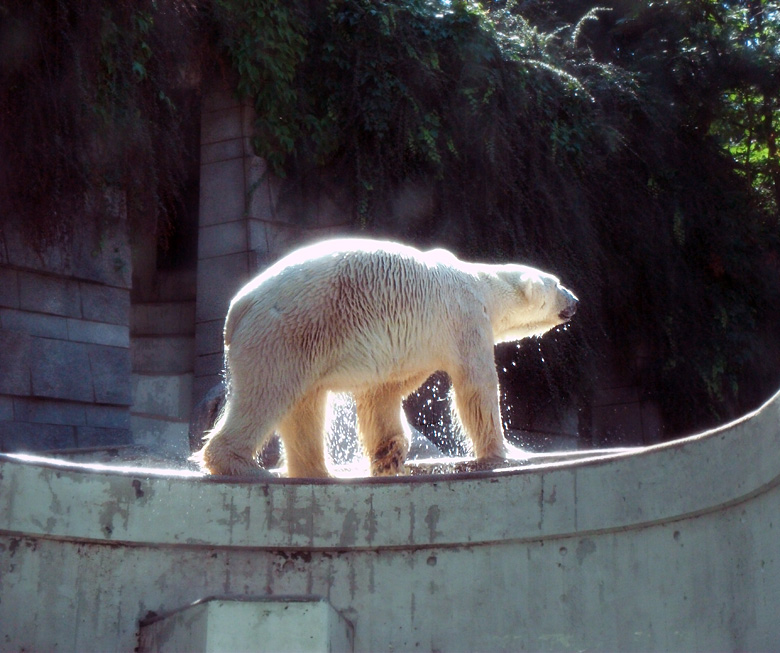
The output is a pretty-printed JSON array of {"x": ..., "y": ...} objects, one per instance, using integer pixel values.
[
  {"x": 671, "y": 547},
  {"x": 266, "y": 625},
  {"x": 618, "y": 491}
]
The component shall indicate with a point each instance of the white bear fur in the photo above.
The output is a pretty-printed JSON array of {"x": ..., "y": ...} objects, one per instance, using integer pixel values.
[{"x": 375, "y": 319}]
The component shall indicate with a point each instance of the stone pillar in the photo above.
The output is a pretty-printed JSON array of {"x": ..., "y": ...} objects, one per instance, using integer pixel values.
[
  {"x": 248, "y": 219},
  {"x": 245, "y": 221},
  {"x": 224, "y": 255}
]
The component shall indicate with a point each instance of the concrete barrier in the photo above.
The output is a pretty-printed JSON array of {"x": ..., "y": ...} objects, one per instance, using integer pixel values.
[{"x": 671, "y": 547}]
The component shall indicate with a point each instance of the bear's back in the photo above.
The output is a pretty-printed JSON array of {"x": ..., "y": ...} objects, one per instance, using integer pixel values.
[{"x": 362, "y": 298}]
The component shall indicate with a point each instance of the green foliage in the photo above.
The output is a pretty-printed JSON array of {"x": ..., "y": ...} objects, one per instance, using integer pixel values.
[
  {"x": 722, "y": 65},
  {"x": 266, "y": 44},
  {"x": 400, "y": 90}
]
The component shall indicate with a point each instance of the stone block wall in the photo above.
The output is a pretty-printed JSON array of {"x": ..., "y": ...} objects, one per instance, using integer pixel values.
[
  {"x": 223, "y": 248},
  {"x": 64, "y": 339},
  {"x": 162, "y": 335}
]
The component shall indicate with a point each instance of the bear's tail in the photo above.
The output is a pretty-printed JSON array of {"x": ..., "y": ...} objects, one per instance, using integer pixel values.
[
  {"x": 238, "y": 309},
  {"x": 236, "y": 312}
]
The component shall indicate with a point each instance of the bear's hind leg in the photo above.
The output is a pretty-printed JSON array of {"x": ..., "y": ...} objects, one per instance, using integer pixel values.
[
  {"x": 302, "y": 432},
  {"x": 232, "y": 445},
  {"x": 381, "y": 429}
]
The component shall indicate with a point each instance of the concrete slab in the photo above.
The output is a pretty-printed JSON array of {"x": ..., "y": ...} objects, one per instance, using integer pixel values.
[
  {"x": 49, "y": 294},
  {"x": 49, "y": 411},
  {"x": 110, "y": 367},
  {"x": 208, "y": 337},
  {"x": 34, "y": 324},
  {"x": 163, "y": 318},
  {"x": 222, "y": 150},
  {"x": 94, "y": 436},
  {"x": 266, "y": 625},
  {"x": 15, "y": 351},
  {"x": 209, "y": 364},
  {"x": 27, "y": 436},
  {"x": 218, "y": 280},
  {"x": 61, "y": 370},
  {"x": 222, "y": 192},
  {"x": 9, "y": 288},
  {"x": 222, "y": 124},
  {"x": 105, "y": 304},
  {"x": 6, "y": 409},
  {"x": 100, "y": 333},
  {"x": 222, "y": 239},
  {"x": 162, "y": 354}
]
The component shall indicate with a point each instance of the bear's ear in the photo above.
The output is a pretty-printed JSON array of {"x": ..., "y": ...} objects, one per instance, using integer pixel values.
[
  {"x": 520, "y": 283},
  {"x": 526, "y": 284}
]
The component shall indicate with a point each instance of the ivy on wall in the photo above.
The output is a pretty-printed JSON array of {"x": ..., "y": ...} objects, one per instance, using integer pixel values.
[{"x": 397, "y": 90}]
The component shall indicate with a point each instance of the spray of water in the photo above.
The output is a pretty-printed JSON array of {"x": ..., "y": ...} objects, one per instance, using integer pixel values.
[{"x": 342, "y": 444}]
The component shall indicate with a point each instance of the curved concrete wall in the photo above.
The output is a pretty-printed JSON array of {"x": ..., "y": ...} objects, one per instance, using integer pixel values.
[{"x": 673, "y": 547}]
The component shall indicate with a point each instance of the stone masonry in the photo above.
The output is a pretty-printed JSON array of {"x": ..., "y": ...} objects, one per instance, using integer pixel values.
[{"x": 64, "y": 340}]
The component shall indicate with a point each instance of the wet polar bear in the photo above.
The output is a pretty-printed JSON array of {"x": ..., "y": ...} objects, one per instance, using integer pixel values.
[{"x": 375, "y": 319}]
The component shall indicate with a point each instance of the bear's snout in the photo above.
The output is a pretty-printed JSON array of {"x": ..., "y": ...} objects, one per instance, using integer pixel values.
[{"x": 571, "y": 305}]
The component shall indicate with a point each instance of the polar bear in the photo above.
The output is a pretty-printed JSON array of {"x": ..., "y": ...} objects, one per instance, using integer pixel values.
[{"x": 375, "y": 319}]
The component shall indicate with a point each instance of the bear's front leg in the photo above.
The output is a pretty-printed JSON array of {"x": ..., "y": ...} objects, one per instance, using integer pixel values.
[
  {"x": 475, "y": 386},
  {"x": 381, "y": 430},
  {"x": 302, "y": 432}
]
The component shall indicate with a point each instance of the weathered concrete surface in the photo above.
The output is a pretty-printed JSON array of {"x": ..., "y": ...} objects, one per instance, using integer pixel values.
[
  {"x": 673, "y": 547},
  {"x": 265, "y": 625}
]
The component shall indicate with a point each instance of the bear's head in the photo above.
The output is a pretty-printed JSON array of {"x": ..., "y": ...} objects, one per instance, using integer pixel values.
[{"x": 531, "y": 303}]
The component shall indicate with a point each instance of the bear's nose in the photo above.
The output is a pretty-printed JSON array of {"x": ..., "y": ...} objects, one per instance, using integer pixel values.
[{"x": 571, "y": 306}]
